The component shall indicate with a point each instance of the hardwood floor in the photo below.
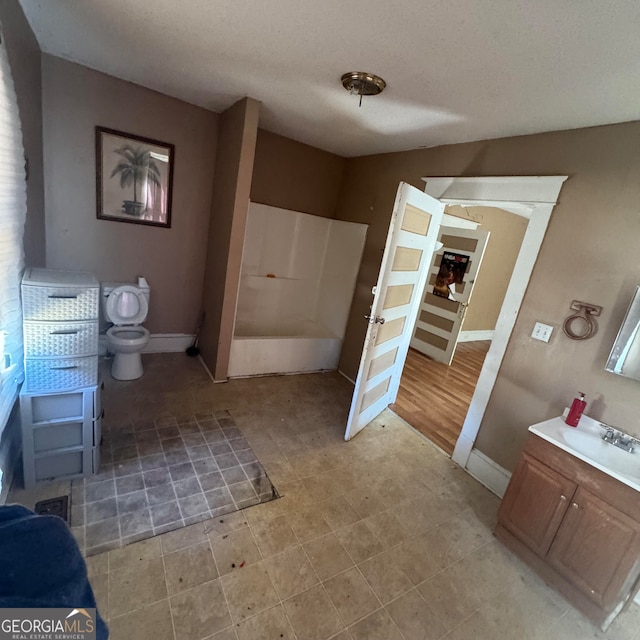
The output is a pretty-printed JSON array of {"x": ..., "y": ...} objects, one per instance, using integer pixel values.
[{"x": 434, "y": 398}]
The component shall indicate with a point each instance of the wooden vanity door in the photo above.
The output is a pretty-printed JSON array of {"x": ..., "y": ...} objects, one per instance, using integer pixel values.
[
  {"x": 597, "y": 548},
  {"x": 535, "y": 503}
]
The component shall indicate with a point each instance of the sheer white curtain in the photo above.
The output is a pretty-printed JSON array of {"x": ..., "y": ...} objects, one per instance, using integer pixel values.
[{"x": 13, "y": 209}]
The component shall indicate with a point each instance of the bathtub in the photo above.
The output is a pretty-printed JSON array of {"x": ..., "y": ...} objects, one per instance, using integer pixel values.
[{"x": 301, "y": 348}]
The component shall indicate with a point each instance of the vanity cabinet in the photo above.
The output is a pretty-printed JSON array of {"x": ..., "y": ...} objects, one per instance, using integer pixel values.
[
  {"x": 576, "y": 526},
  {"x": 596, "y": 548},
  {"x": 536, "y": 503}
]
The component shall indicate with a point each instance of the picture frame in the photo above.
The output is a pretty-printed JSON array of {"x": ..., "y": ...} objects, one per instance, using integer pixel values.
[{"x": 134, "y": 178}]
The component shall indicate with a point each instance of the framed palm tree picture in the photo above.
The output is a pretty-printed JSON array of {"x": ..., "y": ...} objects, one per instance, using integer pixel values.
[{"x": 134, "y": 177}]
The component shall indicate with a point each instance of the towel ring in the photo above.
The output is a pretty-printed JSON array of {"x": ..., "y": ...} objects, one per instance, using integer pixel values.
[{"x": 585, "y": 313}]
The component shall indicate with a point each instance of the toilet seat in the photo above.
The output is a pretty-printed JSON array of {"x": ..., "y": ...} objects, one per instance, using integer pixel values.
[
  {"x": 127, "y": 336},
  {"x": 126, "y": 305}
]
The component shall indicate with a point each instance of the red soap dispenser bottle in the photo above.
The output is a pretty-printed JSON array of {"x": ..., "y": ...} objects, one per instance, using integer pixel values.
[{"x": 576, "y": 410}]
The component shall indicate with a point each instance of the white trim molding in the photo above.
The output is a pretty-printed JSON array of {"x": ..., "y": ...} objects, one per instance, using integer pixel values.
[
  {"x": 518, "y": 190},
  {"x": 473, "y": 336},
  {"x": 533, "y": 197},
  {"x": 168, "y": 342},
  {"x": 488, "y": 472}
]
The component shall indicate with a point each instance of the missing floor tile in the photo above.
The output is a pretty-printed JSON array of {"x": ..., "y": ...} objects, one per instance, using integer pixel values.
[{"x": 54, "y": 507}]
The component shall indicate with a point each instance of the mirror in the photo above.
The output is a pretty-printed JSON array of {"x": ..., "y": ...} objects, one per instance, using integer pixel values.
[{"x": 625, "y": 355}]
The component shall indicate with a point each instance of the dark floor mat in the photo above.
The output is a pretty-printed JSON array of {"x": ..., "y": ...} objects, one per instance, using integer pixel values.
[
  {"x": 161, "y": 474},
  {"x": 54, "y": 507}
]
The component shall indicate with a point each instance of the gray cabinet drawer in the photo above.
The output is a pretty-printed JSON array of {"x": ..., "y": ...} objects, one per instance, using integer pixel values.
[
  {"x": 57, "y": 431},
  {"x": 37, "y": 409},
  {"x": 58, "y": 436},
  {"x": 59, "y": 465}
]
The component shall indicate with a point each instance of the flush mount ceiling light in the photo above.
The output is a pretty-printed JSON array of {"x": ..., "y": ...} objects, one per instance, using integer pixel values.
[{"x": 361, "y": 83}]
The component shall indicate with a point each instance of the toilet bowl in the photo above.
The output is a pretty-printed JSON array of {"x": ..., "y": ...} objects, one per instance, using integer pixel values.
[
  {"x": 124, "y": 341},
  {"x": 126, "y": 306}
]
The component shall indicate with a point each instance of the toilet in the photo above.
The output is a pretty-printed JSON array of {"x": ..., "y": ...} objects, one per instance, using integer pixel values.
[{"x": 126, "y": 306}]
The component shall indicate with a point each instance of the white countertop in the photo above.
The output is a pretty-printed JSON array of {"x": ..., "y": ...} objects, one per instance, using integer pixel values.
[{"x": 585, "y": 442}]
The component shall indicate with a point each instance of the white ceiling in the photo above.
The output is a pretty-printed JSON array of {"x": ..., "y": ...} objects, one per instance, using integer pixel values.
[{"x": 456, "y": 70}]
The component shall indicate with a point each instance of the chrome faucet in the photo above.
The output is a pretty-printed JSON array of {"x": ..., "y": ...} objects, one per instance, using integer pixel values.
[
  {"x": 618, "y": 438},
  {"x": 627, "y": 444}
]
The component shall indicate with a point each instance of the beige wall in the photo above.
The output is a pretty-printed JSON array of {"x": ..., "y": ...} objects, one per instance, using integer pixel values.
[
  {"x": 229, "y": 208},
  {"x": 507, "y": 231},
  {"x": 75, "y": 100},
  {"x": 24, "y": 58},
  {"x": 589, "y": 253},
  {"x": 293, "y": 175}
]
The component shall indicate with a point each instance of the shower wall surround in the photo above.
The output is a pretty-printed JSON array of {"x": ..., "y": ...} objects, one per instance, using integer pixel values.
[{"x": 298, "y": 277}]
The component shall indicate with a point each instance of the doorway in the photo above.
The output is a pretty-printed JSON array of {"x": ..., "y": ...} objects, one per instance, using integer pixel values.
[
  {"x": 434, "y": 397},
  {"x": 450, "y": 344},
  {"x": 530, "y": 196}
]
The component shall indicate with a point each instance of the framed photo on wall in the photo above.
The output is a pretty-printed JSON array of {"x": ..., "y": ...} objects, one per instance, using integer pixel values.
[{"x": 134, "y": 178}]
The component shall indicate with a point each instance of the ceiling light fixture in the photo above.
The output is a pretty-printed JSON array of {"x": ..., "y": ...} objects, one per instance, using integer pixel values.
[{"x": 361, "y": 83}]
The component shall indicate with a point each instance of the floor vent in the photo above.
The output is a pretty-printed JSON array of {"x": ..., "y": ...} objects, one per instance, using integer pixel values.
[{"x": 54, "y": 507}]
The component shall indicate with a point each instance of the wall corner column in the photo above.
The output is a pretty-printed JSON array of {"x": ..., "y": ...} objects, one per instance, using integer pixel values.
[{"x": 237, "y": 136}]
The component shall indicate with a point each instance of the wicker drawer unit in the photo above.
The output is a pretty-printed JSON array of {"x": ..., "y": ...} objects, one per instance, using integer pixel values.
[
  {"x": 47, "y": 375},
  {"x": 60, "y": 403},
  {"x": 59, "y": 303},
  {"x": 60, "y": 339}
]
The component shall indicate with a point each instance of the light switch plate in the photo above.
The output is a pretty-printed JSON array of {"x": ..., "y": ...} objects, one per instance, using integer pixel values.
[{"x": 542, "y": 332}]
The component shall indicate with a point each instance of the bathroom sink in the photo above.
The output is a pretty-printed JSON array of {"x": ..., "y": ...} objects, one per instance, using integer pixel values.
[
  {"x": 585, "y": 442},
  {"x": 608, "y": 455}
]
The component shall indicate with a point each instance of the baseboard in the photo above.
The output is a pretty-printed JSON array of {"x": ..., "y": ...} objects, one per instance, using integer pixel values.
[
  {"x": 168, "y": 343},
  {"x": 488, "y": 472},
  {"x": 344, "y": 375},
  {"x": 473, "y": 336},
  {"x": 158, "y": 343}
]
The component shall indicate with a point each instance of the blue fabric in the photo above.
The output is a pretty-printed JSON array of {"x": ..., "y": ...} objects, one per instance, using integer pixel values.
[{"x": 41, "y": 564}]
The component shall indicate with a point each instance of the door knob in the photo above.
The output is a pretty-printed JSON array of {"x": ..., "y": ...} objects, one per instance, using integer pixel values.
[
  {"x": 575, "y": 505},
  {"x": 374, "y": 319},
  {"x": 563, "y": 498}
]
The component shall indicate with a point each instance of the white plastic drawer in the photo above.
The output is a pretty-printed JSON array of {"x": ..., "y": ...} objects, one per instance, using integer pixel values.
[
  {"x": 58, "y": 436},
  {"x": 44, "y": 375},
  {"x": 60, "y": 303},
  {"x": 60, "y": 465},
  {"x": 60, "y": 339}
]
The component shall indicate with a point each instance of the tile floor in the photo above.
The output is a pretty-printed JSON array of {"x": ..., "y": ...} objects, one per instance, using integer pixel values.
[
  {"x": 381, "y": 538},
  {"x": 165, "y": 474}
]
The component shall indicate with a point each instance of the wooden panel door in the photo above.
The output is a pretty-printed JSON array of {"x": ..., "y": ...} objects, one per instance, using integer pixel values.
[
  {"x": 534, "y": 504},
  {"x": 448, "y": 290},
  {"x": 597, "y": 548},
  {"x": 405, "y": 264}
]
